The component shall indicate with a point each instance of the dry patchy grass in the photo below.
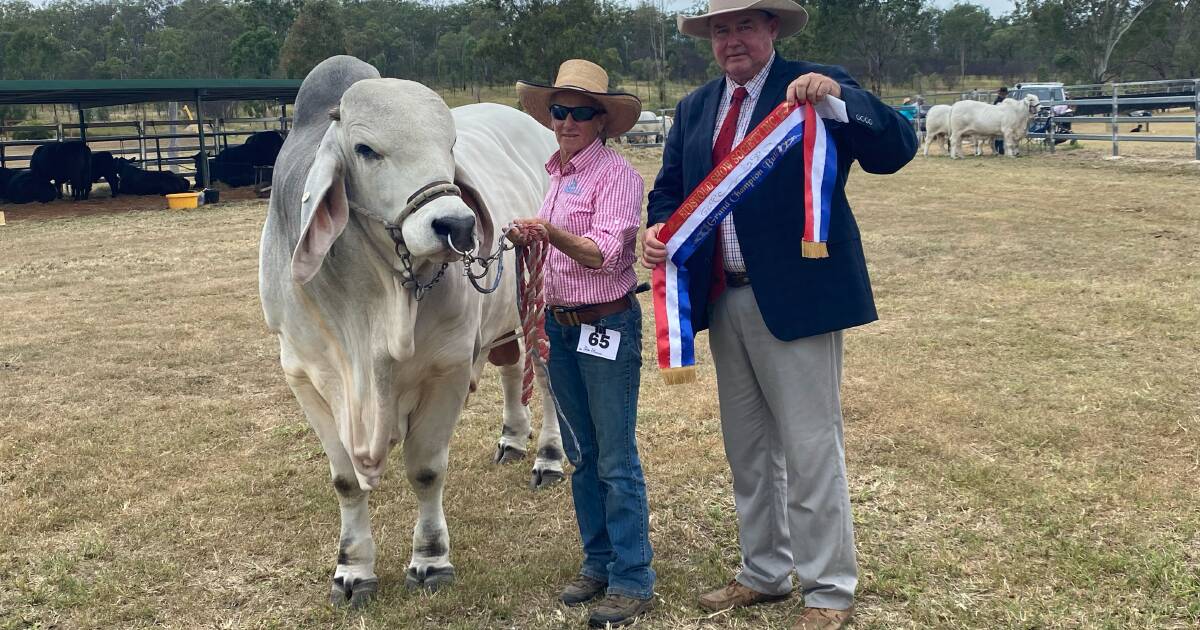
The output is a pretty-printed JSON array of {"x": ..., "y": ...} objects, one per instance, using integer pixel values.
[{"x": 1022, "y": 427}]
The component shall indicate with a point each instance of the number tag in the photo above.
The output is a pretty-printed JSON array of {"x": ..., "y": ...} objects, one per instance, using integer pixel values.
[{"x": 599, "y": 342}]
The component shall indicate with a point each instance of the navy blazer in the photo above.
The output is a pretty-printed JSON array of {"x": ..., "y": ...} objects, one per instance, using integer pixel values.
[{"x": 798, "y": 297}]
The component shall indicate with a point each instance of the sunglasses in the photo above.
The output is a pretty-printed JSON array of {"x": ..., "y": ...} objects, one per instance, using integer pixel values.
[{"x": 580, "y": 114}]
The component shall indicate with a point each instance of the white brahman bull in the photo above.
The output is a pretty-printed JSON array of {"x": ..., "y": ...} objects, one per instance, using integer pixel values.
[
  {"x": 1008, "y": 119},
  {"x": 366, "y": 196},
  {"x": 937, "y": 126}
]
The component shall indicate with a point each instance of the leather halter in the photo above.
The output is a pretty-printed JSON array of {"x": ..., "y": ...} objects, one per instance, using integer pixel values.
[{"x": 423, "y": 195}]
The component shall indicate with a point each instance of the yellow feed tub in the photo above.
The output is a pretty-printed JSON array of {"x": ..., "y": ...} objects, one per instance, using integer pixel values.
[{"x": 179, "y": 201}]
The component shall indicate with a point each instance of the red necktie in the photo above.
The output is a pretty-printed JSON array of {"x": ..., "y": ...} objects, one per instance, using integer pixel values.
[
  {"x": 721, "y": 148},
  {"x": 724, "y": 143}
]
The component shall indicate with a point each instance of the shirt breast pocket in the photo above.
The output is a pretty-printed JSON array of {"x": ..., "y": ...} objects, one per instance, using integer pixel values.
[{"x": 574, "y": 213}]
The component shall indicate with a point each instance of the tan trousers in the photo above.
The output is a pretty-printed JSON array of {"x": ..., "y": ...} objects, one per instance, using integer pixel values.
[{"x": 781, "y": 417}]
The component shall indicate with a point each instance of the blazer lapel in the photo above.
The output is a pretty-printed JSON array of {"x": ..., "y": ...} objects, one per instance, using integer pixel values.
[
  {"x": 708, "y": 121},
  {"x": 774, "y": 90}
]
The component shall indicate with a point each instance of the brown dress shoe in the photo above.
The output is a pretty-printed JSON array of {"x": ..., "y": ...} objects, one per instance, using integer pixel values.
[
  {"x": 823, "y": 619},
  {"x": 736, "y": 595}
]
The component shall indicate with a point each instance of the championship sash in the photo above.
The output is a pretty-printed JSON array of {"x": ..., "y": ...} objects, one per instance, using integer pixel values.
[{"x": 703, "y": 210}]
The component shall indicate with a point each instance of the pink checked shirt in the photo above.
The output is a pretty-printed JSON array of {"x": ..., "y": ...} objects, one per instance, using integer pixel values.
[{"x": 598, "y": 196}]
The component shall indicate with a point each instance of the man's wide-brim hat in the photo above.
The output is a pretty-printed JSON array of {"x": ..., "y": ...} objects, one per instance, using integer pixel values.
[
  {"x": 577, "y": 75},
  {"x": 792, "y": 17}
]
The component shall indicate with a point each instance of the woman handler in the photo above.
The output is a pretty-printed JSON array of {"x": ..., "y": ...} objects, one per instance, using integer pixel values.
[{"x": 591, "y": 216}]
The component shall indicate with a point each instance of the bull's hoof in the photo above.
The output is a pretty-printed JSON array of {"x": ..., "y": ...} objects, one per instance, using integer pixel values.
[
  {"x": 356, "y": 595},
  {"x": 428, "y": 578},
  {"x": 506, "y": 454},
  {"x": 542, "y": 479}
]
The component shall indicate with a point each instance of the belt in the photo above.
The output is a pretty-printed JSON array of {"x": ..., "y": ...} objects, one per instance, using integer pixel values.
[
  {"x": 735, "y": 279},
  {"x": 588, "y": 313}
]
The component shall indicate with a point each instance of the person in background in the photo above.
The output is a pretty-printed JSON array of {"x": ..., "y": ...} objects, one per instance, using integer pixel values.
[{"x": 998, "y": 143}]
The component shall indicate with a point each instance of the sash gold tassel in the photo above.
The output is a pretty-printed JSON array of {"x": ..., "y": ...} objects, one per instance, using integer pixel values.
[
  {"x": 679, "y": 375},
  {"x": 814, "y": 250}
]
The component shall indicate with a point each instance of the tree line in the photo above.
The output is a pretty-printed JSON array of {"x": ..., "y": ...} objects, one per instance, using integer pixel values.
[{"x": 494, "y": 42}]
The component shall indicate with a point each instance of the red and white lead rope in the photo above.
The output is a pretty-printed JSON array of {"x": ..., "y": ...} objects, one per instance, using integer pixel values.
[{"x": 531, "y": 302}]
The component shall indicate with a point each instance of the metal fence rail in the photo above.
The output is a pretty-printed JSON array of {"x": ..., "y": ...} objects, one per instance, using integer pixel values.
[
  {"x": 144, "y": 132},
  {"x": 1182, "y": 99},
  {"x": 1115, "y": 97}
]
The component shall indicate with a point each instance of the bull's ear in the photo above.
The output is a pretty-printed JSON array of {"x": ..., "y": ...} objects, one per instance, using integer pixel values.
[{"x": 324, "y": 209}]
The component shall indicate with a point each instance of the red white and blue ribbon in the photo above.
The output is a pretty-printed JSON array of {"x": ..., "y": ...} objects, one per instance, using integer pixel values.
[{"x": 731, "y": 180}]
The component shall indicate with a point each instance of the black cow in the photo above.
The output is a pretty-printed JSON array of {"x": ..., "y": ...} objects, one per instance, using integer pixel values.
[
  {"x": 6, "y": 174},
  {"x": 135, "y": 181},
  {"x": 267, "y": 145},
  {"x": 104, "y": 166},
  {"x": 26, "y": 187},
  {"x": 64, "y": 163},
  {"x": 235, "y": 165}
]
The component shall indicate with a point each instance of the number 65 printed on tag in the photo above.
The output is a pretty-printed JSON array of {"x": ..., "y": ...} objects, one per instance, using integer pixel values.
[{"x": 598, "y": 341}]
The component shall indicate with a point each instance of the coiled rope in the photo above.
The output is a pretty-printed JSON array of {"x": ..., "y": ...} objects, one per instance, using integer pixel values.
[{"x": 531, "y": 303}]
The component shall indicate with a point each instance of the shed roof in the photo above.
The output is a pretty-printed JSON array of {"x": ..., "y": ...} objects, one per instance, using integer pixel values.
[{"x": 98, "y": 93}]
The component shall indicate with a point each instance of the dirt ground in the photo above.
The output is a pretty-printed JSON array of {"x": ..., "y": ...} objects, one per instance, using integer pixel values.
[
  {"x": 101, "y": 202},
  {"x": 1022, "y": 426}
]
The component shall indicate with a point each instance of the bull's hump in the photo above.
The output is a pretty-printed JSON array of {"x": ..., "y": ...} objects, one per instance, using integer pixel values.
[{"x": 322, "y": 89}]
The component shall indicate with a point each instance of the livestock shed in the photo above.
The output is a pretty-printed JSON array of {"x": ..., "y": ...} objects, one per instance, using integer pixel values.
[{"x": 84, "y": 95}]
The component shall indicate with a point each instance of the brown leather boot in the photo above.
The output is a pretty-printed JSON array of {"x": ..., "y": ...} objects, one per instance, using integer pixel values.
[
  {"x": 823, "y": 619},
  {"x": 615, "y": 611},
  {"x": 581, "y": 590},
  {"x": 736, "y": 595}
]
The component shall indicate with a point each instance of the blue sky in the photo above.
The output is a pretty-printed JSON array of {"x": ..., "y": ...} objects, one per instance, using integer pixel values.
[{"x": 995, "y": 7}]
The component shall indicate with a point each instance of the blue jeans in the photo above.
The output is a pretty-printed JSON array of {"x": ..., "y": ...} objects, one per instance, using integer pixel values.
[{"x": 598, "y": 403}]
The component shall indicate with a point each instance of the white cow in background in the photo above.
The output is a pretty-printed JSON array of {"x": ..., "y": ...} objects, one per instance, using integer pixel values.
[
  {"x": 937, "y": 125},
  {"x": 367, "y": 192},
  {"x": 650, "y": 127},
  {"x": 1008, "y": 119}
]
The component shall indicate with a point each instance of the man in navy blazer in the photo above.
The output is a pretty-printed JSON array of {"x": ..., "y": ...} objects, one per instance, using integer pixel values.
[{"x": 775, "y": 318}]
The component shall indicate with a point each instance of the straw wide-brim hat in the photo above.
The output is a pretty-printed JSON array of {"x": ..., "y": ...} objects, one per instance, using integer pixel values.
[
  {"x": 577, "y": 75},
  {"x": 792, "y": 17}
]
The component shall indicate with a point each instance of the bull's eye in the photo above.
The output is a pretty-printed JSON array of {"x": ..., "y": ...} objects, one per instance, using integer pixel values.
[{"x": 366, "y": 151}]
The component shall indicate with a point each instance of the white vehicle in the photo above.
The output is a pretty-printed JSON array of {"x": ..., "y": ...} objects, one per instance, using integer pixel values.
[{"x": 1051, "y": 95}]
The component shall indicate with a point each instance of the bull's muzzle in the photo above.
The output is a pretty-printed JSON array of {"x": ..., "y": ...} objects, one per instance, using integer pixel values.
[{"x": 459, "y": 229}]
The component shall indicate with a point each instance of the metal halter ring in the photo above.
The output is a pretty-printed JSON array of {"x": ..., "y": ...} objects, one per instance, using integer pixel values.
[
  {"x": 469, "y": 258},
  {"x": 467, "y": 255}
]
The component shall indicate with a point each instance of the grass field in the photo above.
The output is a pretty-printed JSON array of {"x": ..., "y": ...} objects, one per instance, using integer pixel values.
[{"x": 1023, "y": 427}]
